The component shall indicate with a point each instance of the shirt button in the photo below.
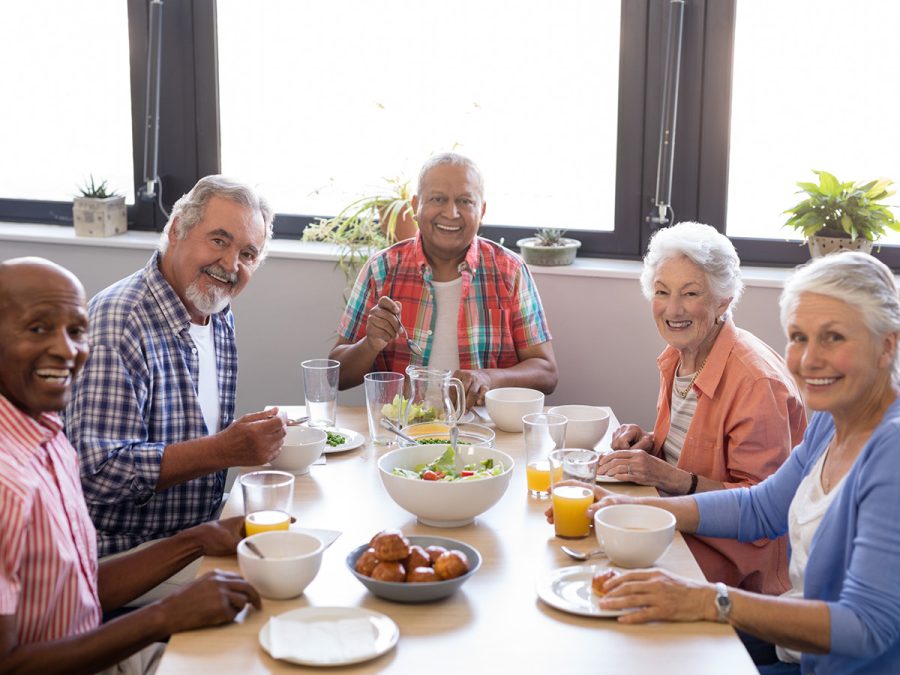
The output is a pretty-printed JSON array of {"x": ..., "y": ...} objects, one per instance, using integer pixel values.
[
  {"x": 429, "y": 332},
  {"x": 194, "y": 350}
]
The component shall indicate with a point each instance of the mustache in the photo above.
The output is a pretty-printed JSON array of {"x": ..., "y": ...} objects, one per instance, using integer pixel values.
[{"x": 219, "y": 271}]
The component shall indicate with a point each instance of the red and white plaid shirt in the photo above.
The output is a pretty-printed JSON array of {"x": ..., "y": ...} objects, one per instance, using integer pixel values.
[{"x": 48, "y": 547}]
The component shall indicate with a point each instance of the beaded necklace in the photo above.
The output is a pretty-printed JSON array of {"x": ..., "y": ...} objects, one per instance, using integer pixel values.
[{"x": 687, "y": 390}]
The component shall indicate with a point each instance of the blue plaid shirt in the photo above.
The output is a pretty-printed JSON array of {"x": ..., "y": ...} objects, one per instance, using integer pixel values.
[{"x": 136, "y": 395}]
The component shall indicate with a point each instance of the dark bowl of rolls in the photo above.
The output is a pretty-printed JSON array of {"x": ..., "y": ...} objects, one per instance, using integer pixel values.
[{"x": 413, "y": 568}]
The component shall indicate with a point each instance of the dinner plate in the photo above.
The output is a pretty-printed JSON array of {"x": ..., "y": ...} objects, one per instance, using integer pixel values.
[
  {"x": 386, "y": 634},
  {"x": 569, "y": 589},
  {"x": 609, "y": 479},
  {"x": 354, "y": 440}
]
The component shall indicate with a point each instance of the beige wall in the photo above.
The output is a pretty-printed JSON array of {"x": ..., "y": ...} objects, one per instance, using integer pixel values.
[{"x": 605, "y": 341}]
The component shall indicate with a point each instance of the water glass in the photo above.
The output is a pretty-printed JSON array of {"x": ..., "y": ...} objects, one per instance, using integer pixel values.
[
  {"x": 544, "y": 433},
  {"x": 320, "y": 386},
  {"x": 268, "y": 497},
  {"x": 384, "y": 398},
  {"x": 571, "y": 502}
]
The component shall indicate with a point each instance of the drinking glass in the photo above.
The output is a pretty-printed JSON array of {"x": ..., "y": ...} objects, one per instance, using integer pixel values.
[
  {"x": 320, "y": 386},
  {"x": 544, "y": 433},
  {"x": 268, "y": 496},
  {"x": 384, "y": 398},
  {"x": 571, "y": 502}
]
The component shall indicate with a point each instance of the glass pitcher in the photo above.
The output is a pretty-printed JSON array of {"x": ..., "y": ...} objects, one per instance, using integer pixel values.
[{"x": 429, "y": 397}]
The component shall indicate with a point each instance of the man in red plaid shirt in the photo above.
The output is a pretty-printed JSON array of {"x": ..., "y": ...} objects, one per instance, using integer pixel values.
[{"x": 470, "y": 304}]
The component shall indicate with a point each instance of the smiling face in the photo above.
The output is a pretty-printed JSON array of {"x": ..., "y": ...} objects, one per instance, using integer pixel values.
[
  {"x": 449, "y": 208},
  {"x": 215, "y": 261},
  {"x": 838, "y": 364},
  {"x": 684, "y": 307},
  {"x": 43, "y": 335}
]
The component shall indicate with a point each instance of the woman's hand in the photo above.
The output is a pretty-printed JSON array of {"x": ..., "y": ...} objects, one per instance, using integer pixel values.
[
  {"x": 636, "y": 466},
  {"x": 660, "y": 596},
  {"x": 631, "y": 437},
  {"x": 601, "y": 498}
]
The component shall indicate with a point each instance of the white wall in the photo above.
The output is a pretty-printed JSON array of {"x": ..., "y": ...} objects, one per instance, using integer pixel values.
[{"x": 605, "y": 341}]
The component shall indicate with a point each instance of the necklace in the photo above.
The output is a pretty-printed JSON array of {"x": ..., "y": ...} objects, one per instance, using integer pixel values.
[{"x": 687, "y": 389}]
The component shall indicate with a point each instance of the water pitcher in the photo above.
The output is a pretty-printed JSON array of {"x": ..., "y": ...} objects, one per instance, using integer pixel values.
[{"x": 429, "y": 396}]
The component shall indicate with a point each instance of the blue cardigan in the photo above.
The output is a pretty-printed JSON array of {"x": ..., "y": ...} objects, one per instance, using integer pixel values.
[{"x": 854, "y": 560}]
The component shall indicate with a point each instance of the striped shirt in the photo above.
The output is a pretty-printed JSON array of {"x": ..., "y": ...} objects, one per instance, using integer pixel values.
[
  {"x": 48, "y": 554},
  {"x": 500, "y": 310},
  {"x": 136, "y": 395},
  {"x": 683, "y": 410}
]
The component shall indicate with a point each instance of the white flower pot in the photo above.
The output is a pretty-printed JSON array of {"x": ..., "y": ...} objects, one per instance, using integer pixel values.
[
  {"x": 99, "y": 217},
  {"x": 819, "y": 246},
  {"x": 534, "y": 254}
]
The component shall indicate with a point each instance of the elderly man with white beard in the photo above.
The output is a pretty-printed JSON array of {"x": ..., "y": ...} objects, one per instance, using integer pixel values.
[{"x": 152, "y": 412}]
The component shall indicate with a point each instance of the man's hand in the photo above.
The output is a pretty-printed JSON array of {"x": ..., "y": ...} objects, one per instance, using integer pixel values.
[
  {"x": 219, "y": 537},
  {"x": 476, "y": 384},
  {"x": 210, "y": 600},
  {"x": 383, "y": 323},
  {"x": 253, "y": 439}
]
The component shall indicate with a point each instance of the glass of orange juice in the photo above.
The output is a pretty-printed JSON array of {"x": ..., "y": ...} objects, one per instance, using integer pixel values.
[
  {"x": 572, "y": 475},
  {"x": 268, "y": 496},
  {"x": 543, "y": 433}
]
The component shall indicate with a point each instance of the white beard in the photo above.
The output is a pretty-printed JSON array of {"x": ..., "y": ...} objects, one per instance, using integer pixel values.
[{"x": 209, "y": 302}]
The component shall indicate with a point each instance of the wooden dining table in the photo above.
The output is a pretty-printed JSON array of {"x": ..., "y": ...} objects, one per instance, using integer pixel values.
[{"x": 494, "y": 623}]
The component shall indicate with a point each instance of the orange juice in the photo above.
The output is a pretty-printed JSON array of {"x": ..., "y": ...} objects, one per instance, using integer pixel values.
[
  {"x": 263, "y": 521},
  {"x": 538, "y": 475},
  {"x": 570, "y": 502}
]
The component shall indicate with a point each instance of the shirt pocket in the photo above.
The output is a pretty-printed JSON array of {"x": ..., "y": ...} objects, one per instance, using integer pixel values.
[{"x": 494, "y": 344}]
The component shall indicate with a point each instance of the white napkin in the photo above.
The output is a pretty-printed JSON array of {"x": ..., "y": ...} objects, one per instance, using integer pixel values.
[{"x": 321, "y": 641}]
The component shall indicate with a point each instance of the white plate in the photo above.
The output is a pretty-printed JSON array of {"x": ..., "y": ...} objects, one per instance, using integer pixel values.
[
  {"x": 468, "y": 416},
  {"x": 569, "y": 589},
  {"x": 354, "y": 440},
  {"x": 386, "y": 633},
  {"x": 609, "y": 479}
]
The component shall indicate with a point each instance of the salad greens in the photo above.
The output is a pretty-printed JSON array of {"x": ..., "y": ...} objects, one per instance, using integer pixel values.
[
  {"x": 444, "y": 469},
  {"x": 417, "y": 413}
]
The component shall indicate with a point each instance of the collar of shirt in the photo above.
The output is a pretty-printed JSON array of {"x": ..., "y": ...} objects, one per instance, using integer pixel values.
[{"x": 30, "y": 431}]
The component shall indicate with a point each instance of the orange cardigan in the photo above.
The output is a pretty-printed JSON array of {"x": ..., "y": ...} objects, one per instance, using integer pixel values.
[{"x": 749, "y": 416}]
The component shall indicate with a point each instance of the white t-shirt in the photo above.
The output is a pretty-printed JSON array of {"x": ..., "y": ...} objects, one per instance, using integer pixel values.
[
  {"x": 208, "y": 387},
  {"x": 445, "y": 348},
  {"x": 804, "y": 517}
]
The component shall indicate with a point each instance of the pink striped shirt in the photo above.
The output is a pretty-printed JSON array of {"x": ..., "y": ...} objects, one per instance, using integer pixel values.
[{"x": 48, "y": 548}]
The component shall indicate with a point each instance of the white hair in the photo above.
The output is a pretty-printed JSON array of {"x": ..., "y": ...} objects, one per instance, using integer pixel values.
[
  {"x": 703, "y": 245},
  {"x": 188, "y": 210},
  {"x": 858, "y": 279},
  {"x": 454, "y": 159}
]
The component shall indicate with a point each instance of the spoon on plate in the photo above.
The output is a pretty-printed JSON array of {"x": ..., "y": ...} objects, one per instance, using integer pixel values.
[{"x": 578, "y": 555}]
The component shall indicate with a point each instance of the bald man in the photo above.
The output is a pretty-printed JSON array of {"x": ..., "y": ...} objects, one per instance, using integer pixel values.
[{"x": 52, "y": 590}]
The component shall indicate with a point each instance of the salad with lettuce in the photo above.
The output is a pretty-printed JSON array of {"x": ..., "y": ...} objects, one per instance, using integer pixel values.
[
  {"x": 444, "y": 469},
  {"x": 417, "y": 412}
]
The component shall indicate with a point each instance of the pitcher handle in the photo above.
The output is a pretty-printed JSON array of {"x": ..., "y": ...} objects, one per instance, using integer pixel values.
[{"x": 460, "y": 408}]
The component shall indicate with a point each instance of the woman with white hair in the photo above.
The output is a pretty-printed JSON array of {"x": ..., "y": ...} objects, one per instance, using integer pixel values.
[
  {"x": 728, "y": 411},
  {"x": 837, "y": 496}
]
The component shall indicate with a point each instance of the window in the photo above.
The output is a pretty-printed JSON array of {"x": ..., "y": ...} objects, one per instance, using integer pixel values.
[{"x": 347, "y": 93}]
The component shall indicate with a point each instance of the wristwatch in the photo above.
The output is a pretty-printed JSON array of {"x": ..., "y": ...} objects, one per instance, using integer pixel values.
[{"x": 723, "y": 603}]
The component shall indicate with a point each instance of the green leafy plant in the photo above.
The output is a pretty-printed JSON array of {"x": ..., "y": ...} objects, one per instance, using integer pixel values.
[
  {"x": 364, "y": 226},
  {"x": 851, "y": 210},
  {"x": 93, "y": 190},
  {"x": 550, "y": 236}
]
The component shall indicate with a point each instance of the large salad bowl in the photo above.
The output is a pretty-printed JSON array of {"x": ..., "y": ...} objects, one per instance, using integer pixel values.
[{"x": 444, "y": 503}]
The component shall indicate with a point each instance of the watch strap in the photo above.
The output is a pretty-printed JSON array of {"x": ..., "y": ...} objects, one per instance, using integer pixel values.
[{"x": 723, "y": 603}]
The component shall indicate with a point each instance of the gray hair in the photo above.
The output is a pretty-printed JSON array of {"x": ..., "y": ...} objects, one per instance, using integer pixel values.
[
  {"x": 455, "y": 160},
  {"x": 189, "y": 209},
  {"x": 857, "y": 279},
  {"x": 703, "y": 245}
]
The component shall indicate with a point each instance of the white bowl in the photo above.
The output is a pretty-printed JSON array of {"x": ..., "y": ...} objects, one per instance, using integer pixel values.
[
  {"x": 302, "y": 446},
  {"x": 441, "y": 503},
  {"x": 634, "y": 535},
  {"x": 291, "y": 562},
  {"x": 586, "y": 426},
  {"x": 507, "y": 406}
]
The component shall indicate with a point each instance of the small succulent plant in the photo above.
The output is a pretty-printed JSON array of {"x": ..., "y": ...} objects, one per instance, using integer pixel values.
[
  {"x": 94, "y": 190},
  {"x": 549, "y": 236}
]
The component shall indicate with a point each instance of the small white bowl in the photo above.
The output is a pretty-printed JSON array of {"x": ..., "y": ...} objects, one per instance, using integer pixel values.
[
  {"x": 507, "y": 406},
  {"x": 634, "y": 535},
  {"x": 302, "y": 446},
  {"x": 291, "y": 562},
  {"x": 442, "y": 503},
  {"x": 586, "y": 426}
]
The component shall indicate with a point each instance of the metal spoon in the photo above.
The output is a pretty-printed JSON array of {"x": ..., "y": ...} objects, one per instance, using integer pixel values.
[
  {"x": 252, "y": 547},
  {"x": 454, "y": 438},
  {"x": 390, "y": 426},
  {"x": 578, "y": 555},
  {"x": 413, "y": 347}
]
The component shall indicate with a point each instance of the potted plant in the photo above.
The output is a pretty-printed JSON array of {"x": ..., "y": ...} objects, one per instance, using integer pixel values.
[
  {"x": 838, "y": 215},
  {"x": 367, "y": 224},
  {"x": 98, "y": 211},
  {"x": 548, "y": 247}
]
